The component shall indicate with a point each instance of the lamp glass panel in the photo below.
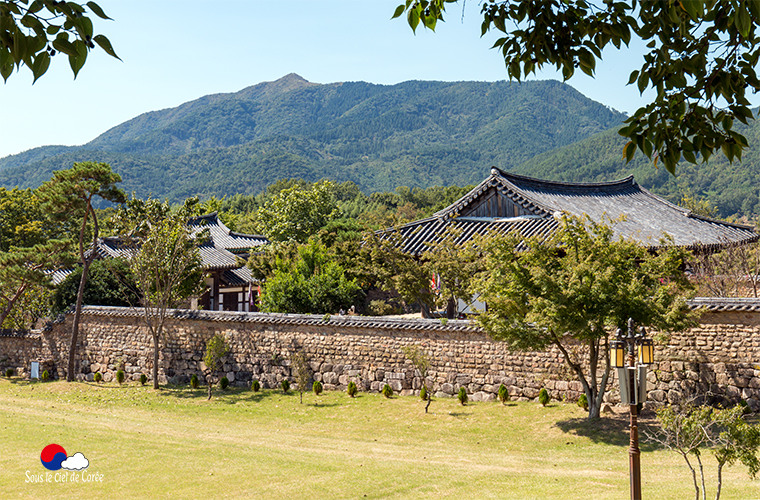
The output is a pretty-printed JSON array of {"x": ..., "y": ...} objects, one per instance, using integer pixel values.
[
  {"x": 618, "y": 353},
  {"x": 646, "y": 352}
]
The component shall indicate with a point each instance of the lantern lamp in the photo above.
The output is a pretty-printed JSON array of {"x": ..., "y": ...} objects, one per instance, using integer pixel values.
[
  {"x": 618, "y": 352},
  {"x": 646, "y": 351}
]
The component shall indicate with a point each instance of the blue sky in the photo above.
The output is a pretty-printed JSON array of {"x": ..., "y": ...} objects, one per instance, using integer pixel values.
[{"x": 174, "y": 51}]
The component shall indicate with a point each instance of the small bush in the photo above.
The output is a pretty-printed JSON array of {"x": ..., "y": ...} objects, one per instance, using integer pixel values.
[
  {"x": 462, "y": 396},
  {"x": 143, "y": 379},
  {"x": 352, "y": 389},
  {"x": 194, "y": 381},
  {"x": 9, "y": 372},
  {"x": 543, "y": 396},
  {"x": 224, "y": 383},
  {"x": 503, "y": 394},
  {"x": 583, "y": 402},
  {"x": 387, "y": 391},
  {"x": 317, "y": 387},
  {"x": 423, "y": 393},
  {"x": 255, "y": 386},
  {"x": 380, "y": 308},
  {"x": 45, "y": 376},
  {"x": 285, "y": 384},
  {"x": 120, "y": 376},
  {"x": 98, "y": 377}
]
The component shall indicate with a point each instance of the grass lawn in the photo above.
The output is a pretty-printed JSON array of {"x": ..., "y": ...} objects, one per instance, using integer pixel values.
[{"x": 173, "y": 443}]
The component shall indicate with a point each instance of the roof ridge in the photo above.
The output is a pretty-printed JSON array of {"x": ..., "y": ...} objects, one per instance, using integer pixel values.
[{"x": 626, "y": 181}]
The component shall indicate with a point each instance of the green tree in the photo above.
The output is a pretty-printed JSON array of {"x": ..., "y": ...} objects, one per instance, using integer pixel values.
[
  {"x": 34, "y": 31},
  {"x": 303, "y": 279},
  {"x": 691, "y": 430},
  {"x": 71, "y": 193},
  {"x": 701, "y": 61},
  {"x": 299, "y": 367},
  {"x": 165, "y": 262},
  {"x": 216, "y": 350},
  {"x": 110, "y": 284},
  {"x": 575, "y": 288},
  {"x": 421, "y": 362},
  {"x": 295, "y": 213},
  {"x": 30, "y": 245}
]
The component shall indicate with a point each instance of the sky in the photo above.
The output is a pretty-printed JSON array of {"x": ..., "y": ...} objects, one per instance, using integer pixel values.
[{"x": 174, "y": 51}]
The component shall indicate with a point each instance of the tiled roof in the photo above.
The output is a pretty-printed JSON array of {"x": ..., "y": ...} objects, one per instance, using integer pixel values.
[
  {"x": 416, "y": 236},
  {"x": 378, "y": 322},
  {"x": 223, "y": 237},
  {"x": 721, "y": 304},
  {"x": 646, "y": 217},
  {"x": 237, "y": 277}
]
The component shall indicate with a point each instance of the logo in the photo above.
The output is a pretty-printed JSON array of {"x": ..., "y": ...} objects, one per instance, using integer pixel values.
[{"x": 54, "y": 457}]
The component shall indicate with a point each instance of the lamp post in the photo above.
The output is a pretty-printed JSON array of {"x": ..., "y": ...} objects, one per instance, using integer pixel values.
[{"x": 632, "y": 375}]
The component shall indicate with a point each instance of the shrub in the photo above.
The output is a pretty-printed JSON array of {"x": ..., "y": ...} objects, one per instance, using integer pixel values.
[
  {"x": 285, "y": 384},
  {"x": 543, "y": 396},
  {"x": 380, "y": 308},
  {"x": 45, "y": 376},
  {"x": 9, "y": 372},
  {"x": 583, "y": 402},
  {"x": 194, "y": 381},
  {"x": 143, "y": 379},
  {"x": 120, "y": 376},
  {"x": 98, "y": 377},
  {"x": 503, "y": 394},
  {"x": 387, "y": 391},
  {"x": 255, "y": 386},
  {"x": 317, "y": 387},
  {"x": 462, "y": 396},
  {"x": 352, "y": 389},
  {"x": 224, "y": 383},
  {"x": 423, "y": 393}
]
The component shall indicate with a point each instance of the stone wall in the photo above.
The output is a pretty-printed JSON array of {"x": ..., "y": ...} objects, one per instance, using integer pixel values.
[{"x": 720, "y": 358}]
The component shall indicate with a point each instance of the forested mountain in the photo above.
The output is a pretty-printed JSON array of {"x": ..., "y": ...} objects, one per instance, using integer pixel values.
[
  {"x": 415, "y": 133},
  {"x": 734, "y": 189}
]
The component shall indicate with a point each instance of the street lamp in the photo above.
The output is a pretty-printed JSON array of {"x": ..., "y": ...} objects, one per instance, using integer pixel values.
[{"x": 631, "y": 354}]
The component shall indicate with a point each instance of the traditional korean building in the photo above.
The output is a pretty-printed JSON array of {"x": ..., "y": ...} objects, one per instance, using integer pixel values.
[
  {"x": 506, "y": 203},
  {"x": 230, "y": 286}
]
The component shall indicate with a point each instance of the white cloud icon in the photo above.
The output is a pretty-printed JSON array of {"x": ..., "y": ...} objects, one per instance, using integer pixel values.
[{"x": 75, "y": 462}]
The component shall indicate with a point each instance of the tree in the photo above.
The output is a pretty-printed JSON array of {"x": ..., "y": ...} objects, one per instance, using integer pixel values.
[
  {"x": 30, "y": 245},
  {"x": 575, "y": 288},
  {"x": 724, "y": 432},
  {"x": 216, "y": 349},
  {"x": 303, "y": 279},
  {"x": 295, "y": 213},
  {"x": 299, "y": 366},
  {"x": 421, "y": 362},
  {"x": 110, "y": 283},
  {"x": 31, "y": 32},
  {"x": 71, "y": 193},
  {"x": 165, "y": 262},
  {"x": 700, "y": 65}
]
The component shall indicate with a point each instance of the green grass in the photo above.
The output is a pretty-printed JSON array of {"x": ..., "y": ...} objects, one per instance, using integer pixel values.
[{"x": 174, "y": 443}]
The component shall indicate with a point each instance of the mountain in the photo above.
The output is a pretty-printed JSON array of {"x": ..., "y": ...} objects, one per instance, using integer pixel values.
[
  {"x": 415, "y": 133},
  {"x": 731, "y": 187}
]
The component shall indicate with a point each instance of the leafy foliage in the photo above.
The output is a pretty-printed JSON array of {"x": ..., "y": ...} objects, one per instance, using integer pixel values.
[
  {"x": 692, "y": 429},
  {"x": 120, "y": 376},
  {"x": 110, "y": 283},
  {"x": 421, "y": 362},
  {"x": 462, "y": 396},
  {"x": 387, "y": 391},
  {"x": 352, "y": 389},
  {"x": 503, "y": 394},
  {"x": 216, "y": 350},
  {"x": 144, "y": 379},
  {"x": 98, "y": 377},
  {"x": 32, "y": 32},
  {"x": 317, "y": 387},
  {"x": 583, "y": 402},
  {"x": 255, "y": 386},
  {"x": 701, "y": 62},
  {"x": 299, "y": 367},
  {"x": 303, "y": 279},
  {"x": 571, "y": 290},
  {"x": 543, "y": 396},
  {"x": 285, "y": 385},
  {"x": 224, "y": 382},
  {"x": 194, "y": 382}
]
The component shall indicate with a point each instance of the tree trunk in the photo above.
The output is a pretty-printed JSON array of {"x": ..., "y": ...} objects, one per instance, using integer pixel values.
[
  {"x": 720, "y": 481},
  {"x": 155, "y": 360},
  {"x": 209, "y": 384},
  {"x": 71, "y": 371},
  {"x": 429, "y": 399}
]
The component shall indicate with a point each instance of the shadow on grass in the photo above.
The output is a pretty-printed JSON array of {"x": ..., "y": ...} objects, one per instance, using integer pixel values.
[
  {"x": 612, "y": 430},
  {"x": 459, "y": 414}
]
